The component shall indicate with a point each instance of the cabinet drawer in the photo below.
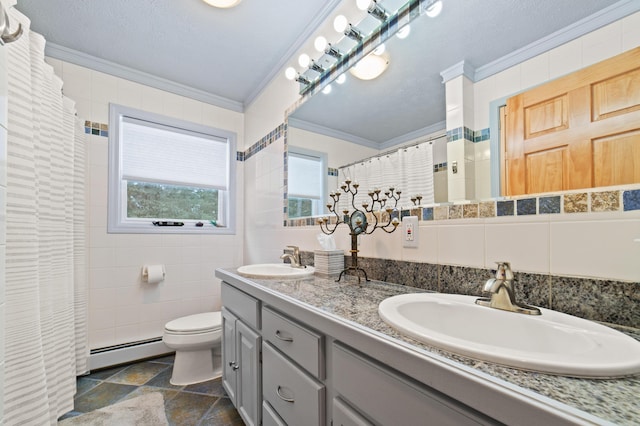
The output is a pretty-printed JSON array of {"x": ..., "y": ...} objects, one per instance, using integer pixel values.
[
  {"x": 244, "y": 306},
  {"x": 270, "y": 417},
  {"x": 389, "y": 398},
  {"x": 297, "y": 342},
  {"x": 296, "y": 396},
  {"x": 343, "y": 415}
]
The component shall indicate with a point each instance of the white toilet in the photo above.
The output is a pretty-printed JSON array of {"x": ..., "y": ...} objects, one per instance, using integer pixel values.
[{"x": 196, "y": 340}]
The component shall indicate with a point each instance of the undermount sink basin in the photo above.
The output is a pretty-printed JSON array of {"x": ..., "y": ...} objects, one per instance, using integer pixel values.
[
  {"x": 553, "y": 342},
  {"x": 274, "y": 270}
]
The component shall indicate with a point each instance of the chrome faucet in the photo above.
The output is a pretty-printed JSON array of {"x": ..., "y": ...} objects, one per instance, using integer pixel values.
[
  {"x": 502, "y": 293},
  {"x": 294, "y": 258}
]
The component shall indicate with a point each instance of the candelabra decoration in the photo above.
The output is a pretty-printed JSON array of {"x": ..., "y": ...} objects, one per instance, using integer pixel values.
[{"x": 357, "y": 220}]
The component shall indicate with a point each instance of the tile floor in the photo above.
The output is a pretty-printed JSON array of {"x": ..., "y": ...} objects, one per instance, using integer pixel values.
[{"x": 201, "y": 404}]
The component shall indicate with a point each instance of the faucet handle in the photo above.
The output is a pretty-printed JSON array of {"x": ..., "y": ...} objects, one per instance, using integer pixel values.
[{"x": 504, "y": 271}]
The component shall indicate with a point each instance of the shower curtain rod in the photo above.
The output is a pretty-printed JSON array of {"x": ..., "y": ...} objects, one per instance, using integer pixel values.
[
  {"x": 391, "y": 151},
  {"x": 5, "y": 35}
]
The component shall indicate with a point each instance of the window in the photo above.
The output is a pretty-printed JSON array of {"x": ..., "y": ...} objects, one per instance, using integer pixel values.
[
  {"x": 307, "y": 182},
  {"x": 166, "y": 171}
]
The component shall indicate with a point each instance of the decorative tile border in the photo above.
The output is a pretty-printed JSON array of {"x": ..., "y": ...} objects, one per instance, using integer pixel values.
[
  {"x": 97, "y": 129},
  {"x": 267, "y": 140},
  {"x": 595, "y": 201},
  {"x": 468, "y": 134}
]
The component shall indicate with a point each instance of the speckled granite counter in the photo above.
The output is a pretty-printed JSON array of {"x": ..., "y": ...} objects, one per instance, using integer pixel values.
[{"x": 614, "y": 401}]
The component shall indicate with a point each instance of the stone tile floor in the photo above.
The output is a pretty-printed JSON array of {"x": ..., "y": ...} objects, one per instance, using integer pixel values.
[{"x": 201, "y": 404}]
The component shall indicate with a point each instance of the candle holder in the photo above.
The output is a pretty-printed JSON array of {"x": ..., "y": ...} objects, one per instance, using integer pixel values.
[{"x": 357, "y": 219}]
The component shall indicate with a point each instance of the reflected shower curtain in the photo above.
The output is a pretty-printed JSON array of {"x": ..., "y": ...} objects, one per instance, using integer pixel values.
[
  {"x": 409, "y": 170},
  {"x": 46, "y": 295}
]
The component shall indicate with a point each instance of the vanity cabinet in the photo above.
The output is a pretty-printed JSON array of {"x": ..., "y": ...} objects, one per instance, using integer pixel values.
[
  {"x": 293, "y": 363},
  {"x": 241, "y": 353},
  {"x": 287, "y": 362},
  {"x": 387, "y": 397}
]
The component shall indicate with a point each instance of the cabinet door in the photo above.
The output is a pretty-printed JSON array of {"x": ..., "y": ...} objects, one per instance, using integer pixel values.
[
  {"x": 229, "y": 361},
  {"x": 249, "y": 374}
]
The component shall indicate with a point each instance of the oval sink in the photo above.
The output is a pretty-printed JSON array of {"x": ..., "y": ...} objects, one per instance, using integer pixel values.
[
  {"x": 553, "y": 342},
  {"x": 274, "y": 270}
]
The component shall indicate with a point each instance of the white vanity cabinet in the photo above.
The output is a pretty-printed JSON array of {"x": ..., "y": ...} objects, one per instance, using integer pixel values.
[{"x": 241, "y": 353}]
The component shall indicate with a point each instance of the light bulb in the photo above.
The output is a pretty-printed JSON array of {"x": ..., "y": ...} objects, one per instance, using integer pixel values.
[
  {"x": 327, "y": 89},
  {"x": 341, "y": 79},
  {"x": 320, "y": 43},
  {"x": 304, "y": 60},
  {"x": 290, "y": 73},
  {"x": 363, "y": 4},
  {"x": 435, "y": 9},
  {"x": 340, "y": 23},
  {"x": 222, "y": 3},
  {"x": 403, "y": 32}
]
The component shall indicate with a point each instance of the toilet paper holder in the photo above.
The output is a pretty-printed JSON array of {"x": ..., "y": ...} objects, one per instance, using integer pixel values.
[{"x": 153, "y": 273}]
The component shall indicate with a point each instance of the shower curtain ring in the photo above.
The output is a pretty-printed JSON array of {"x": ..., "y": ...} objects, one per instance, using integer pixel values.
[{"x": 5, "y": 35}]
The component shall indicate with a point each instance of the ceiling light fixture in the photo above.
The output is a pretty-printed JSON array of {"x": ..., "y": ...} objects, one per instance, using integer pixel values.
[
  {"x": 314, "y": 66},
  {"x": 290, "y": 73},
  {"x": 332, "y": 51},
  {"x": 320, "y": 43},
  {"x": 434, "y": 9},
  {"x": 223, "y": 4},
  {"x": 373, "y": 8},
  {"x": 342, "y": 25},
  {"x": 304, "y": 60},
  {"x": 369, "y": 67}
]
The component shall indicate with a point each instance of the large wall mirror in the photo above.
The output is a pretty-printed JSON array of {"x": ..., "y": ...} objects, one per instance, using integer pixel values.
[{"x": 406, "y": 104}]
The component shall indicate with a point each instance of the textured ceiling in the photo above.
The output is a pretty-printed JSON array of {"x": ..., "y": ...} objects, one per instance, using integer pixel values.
[
  {"x": 410, "y": 96},
  {"x": 234, "y": 53},
  {"x": 224, "y": 52}
]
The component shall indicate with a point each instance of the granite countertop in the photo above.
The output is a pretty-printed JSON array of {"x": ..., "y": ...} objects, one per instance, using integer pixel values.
[{"x": 613, "y": 400}]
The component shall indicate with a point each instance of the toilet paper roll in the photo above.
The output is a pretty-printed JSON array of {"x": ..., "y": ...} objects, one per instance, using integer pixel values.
[{"x": 153, "y": 274}]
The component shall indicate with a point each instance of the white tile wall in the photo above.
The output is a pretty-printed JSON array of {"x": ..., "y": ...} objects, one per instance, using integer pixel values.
[{"x": 122, "y": 308}]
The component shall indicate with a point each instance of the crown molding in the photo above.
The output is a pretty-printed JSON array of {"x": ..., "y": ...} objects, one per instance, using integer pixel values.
[
  {"x": 407, "y": 137},
  {"x": 295, "y": 46},
  {"x": 591, "y": 23},
  {"x": 461, "y": 68},
  {"x": 316, "y": 128},
  {"x": 82, "y": 59}
]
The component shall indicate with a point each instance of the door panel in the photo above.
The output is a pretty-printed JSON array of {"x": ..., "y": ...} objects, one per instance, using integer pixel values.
[{"x": 576, "y": 132}]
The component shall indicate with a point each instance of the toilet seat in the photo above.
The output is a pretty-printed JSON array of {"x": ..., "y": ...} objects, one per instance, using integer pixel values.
[{"x": 195, "y": 324}]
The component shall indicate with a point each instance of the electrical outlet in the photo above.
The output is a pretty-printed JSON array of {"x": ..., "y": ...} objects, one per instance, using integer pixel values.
[{"x": 410, "y": 231}]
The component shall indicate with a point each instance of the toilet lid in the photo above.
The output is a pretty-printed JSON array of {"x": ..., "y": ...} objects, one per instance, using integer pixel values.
[{"x": 193, "y": 323}]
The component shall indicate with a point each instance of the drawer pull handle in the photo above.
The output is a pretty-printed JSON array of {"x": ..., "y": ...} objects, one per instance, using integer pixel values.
[
  {"x": 234, "y": 366},
  {"x": 284, "y": 339},
  {"x": 291, "y": 400}
]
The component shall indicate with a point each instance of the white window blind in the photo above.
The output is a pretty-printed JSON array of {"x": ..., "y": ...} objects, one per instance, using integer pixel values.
[
  {"x": 157, "y": 153},
  {"x": 305, "y": 176}
]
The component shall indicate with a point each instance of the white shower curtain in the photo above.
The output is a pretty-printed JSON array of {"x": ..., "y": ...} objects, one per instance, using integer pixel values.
[
  {"x": 46, "y": 296},
  {"x": 409, "y": 170}
]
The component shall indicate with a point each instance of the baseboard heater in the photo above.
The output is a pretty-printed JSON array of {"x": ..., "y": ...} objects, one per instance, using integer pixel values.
[{"x": 127, "y": 352}]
